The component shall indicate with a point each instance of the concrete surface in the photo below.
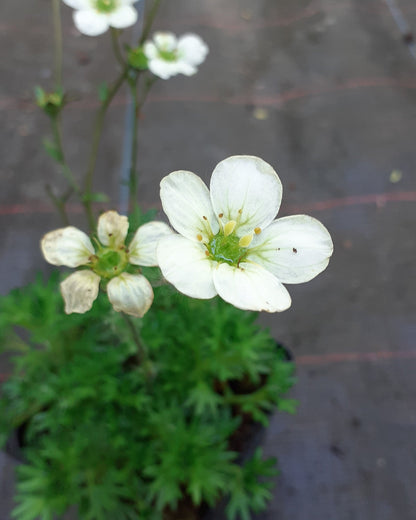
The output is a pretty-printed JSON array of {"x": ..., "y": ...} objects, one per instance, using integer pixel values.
[{"x": 325, "y": 91}]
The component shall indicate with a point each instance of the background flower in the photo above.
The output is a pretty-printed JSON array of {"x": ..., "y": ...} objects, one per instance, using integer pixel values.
[
  {"x": 130, "y": 293},
  {"x": 229, "y": 243},
  {"x": 168, "y": 55},
  {"x": 94, "y": 17}
]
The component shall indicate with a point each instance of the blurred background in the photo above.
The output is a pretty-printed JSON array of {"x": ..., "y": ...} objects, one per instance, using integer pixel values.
[{"x": 325, "y": 91}]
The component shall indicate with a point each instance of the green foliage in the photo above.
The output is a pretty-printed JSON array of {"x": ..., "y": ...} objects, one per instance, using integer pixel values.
[
  {"x": 50, "y": 102},
  {"x": 122, "y": 431}
]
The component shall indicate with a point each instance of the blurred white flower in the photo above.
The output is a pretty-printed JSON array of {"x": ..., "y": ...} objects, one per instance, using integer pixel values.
[
  {"x": 168, "y": 55},
  {"x": 229, "y": 243},
  {"x": 94, "y": 17},
  {"x": 127, "y": 292}
]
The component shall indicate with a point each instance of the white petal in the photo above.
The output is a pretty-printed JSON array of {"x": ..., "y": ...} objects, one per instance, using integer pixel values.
[
  {"x": 142, "y": 249},
  {"x": 67, "y": 246},
  {"x": 124, "y": 16},
  {"x": 247, "y": 184},
  {"x": 182, "y": 67},
  {"x": 184, "y": 264},
  {"x": 78, "y": 4},
  {"x": 192, "y": 49},
  {"x": 186, "y": 201},
  {"x": 295, "y": 249},
  {"x": 150, "y": 50},
  {"x": 163, "y": 69},
  {"x": 131, "y": 294},
  {"x": 112, "y": 228},
  {"x": 165, "y": 41},
  {"x": 90, "y": 22},
  {"x": 251, "y": 287},
  {"x": 79, "y": 291}
]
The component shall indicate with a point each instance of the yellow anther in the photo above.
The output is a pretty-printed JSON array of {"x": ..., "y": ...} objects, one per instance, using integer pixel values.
[
  {"x": 199, "y": 237},
  {"x": 229, "y": 227},
  {"x": 257, "y": 230},
  {"x": 221, "y": 215},
  {"x": 245, "y": 241}
]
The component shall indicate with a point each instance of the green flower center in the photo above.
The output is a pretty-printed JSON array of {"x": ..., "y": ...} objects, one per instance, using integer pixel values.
[
  {"x": 168, "y": 55},
  {"x": 226, "y": 249},
  {"x": 105, "y": 6},
  {"x": 109, "y": 263}
]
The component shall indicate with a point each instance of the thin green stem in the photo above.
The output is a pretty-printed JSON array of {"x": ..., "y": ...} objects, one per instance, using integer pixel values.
[
  {"x": 137, "y": 106},
  {"x": 59, "y": 203},
  {"x": 57, "y": 28},
  {"x": 149, "y": 21},
  {"x": 96, "y": 137},
  {"x": 66, "y": 171},
  {"x": 141, "y": 349},
  {"x": 115, "y": 40}
]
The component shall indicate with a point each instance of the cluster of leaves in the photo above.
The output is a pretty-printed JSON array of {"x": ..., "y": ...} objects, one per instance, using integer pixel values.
[{"x": 123, "y": 432}]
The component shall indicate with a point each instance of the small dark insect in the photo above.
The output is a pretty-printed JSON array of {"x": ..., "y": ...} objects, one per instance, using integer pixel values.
[{"x": 294, "y": 250}]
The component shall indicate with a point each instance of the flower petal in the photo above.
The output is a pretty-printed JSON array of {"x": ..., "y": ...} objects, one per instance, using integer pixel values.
[
  {"x": 162, "y": 68},
  {"x": 130, "y": 293},
  {"x": 165, "y": 41},
  {"x": 67, "y": 246},
  {"x": 124, "y": 16},
  {"x": 112, "y": 228},
  {"x": 184, "y": 264},
  {"x": 79, "y": 291},
  {"x": 186, "y": 202},
  {"x": 246, "y": 189},
  {"x": 90, "y": 22},
  {"x": 78, "y": 4},
  {"x": 150, "y": 50},
  {"x": 192, "y": 49},
  {"x": 142, "y": 249},
  {"x": 251, "y": 287},
  {"x": 295, "y": 249}
]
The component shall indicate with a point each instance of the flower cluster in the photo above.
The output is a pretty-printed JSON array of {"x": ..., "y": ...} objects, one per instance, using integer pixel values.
[
  {"x": 94, "y": 17},
  {"x": 168, "y": 55},
  {"x": 110, "y": 262},
  {"x": 229, "y": 243}
]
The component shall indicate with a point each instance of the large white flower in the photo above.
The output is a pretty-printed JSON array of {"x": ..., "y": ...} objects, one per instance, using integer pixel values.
[
  {"x": 229, "y": 243},
  {"x": 168, "y": 55},
  {"x": 94, "y": 17},
  {"x": 128, "y": 292}
]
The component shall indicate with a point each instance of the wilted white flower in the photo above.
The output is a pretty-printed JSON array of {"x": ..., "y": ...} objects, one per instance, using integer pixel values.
[
  {"x": 229, "y": 243},
  {"x": 168, "y": 55},
  {"x": 94, "y": 17},
  {"x": 109, "y": 261}
]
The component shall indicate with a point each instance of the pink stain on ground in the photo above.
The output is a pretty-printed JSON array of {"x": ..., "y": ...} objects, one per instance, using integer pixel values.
[{"x": 378, "y": 199}]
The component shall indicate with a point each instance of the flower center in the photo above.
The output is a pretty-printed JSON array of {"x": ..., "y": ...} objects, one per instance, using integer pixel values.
[
  {"x": 168, "y": 55},
  {"x": 109, "y": 263},
  {"x": 105, "y": 6},
  {"x": 226, "y": 248}
]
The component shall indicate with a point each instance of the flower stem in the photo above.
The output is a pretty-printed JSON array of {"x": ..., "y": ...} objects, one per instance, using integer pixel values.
[
  {"x": 66, "y": 171},
  {"x": 137, "y": 106},
  {"x": 141, "y": 349},
  {"x": 96, "y": 137},
  {"x": 149, "y": 21},
  {"x": 59, "y": 203},
  {"x": 115, "y": 40},
  {"x": 57, "y": 27}
]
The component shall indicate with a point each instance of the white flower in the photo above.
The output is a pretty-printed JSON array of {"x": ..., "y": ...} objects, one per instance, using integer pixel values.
[
  {"x": 130, "y": 293},
  {"x": 168, "y": 55},
  {"x": 229, "y": 243},
  {"x": 94, "y": 17}
]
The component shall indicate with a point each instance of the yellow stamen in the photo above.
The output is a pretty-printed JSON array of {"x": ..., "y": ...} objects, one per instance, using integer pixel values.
[
  {"x": 257, "y": 230},
  {"x": 229, "y": 227},
  {"x": 199, "y": 237},
  {"x": 245, "y": 241}
]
